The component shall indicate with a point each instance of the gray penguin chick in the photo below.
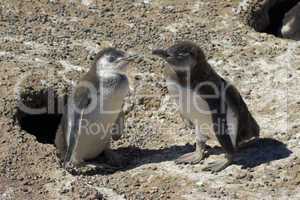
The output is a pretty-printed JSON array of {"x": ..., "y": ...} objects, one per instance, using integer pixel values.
[
  {"x": 213, "y": 105},
  {"x": 93, "y": 114}
]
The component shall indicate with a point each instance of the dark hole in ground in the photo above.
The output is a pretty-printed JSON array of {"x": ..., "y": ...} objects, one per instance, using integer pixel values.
[
  {"x": 276, "y": 16},
  {"x": 42, "y": 125}
]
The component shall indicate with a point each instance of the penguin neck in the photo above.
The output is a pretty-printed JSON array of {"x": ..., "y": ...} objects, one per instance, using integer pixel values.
[
  {"x": 102, "y": 69},
  {"x": 201, "y": 72},
  {"x": 102, "y": 72}
]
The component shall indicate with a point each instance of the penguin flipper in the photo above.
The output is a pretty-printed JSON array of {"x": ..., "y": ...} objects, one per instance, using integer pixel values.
[
  {"x": 118, "y": 127},
  {"x": 236, "y": 124},
  {"x": 73, "y": 132},
  {"x": 60, "y": 140},
  {"x": 247, "y": 125},
  {"x": 76, "y": 108}
]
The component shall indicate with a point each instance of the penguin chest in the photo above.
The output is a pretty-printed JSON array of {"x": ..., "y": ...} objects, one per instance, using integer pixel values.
[
  {"x": 92, "y": 141},
  {"x": 94, "y": 134},
  {"x": 96, "y": 126},
  {"x": 193, "y": 107}
]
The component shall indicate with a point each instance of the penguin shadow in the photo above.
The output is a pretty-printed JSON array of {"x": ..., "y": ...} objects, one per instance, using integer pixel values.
[
  {"x": 134, "y": 157},
  {"x": 261, "y": 151},
  {"x": 252, "y": 154},
  {"x": 256, "y": 152}
]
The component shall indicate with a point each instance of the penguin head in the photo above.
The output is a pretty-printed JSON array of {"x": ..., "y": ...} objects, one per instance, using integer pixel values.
[
  {"x": 183, "y": 56},
  {"x": 112, "y": 60}
]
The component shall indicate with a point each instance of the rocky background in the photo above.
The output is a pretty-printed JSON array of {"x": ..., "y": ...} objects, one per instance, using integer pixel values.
[{"x": 46, "y": 45}]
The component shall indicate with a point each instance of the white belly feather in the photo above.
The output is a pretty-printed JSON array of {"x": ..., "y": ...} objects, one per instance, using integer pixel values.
[
  {"x": 196, "y": 109},
  {"x": 95, "y": 127},
  {"x": 193, "y": 107}
]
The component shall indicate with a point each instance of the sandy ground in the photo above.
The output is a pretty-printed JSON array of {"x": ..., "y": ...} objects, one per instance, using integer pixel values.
[{"x": 47, "y": 45}]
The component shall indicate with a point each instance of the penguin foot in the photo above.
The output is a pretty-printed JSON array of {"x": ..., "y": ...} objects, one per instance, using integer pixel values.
[
  {"x": 217, "y": 166},
  {"x": 190, "y": 158}
]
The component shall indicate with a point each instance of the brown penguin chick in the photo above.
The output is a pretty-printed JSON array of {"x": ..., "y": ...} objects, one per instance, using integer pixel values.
[{"x": 213, "y": 105}]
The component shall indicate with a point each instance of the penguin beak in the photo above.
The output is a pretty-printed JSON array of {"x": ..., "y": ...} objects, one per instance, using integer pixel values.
[
  {"x": 129, "y": 58},
  {"x": 161, "y": 53}
]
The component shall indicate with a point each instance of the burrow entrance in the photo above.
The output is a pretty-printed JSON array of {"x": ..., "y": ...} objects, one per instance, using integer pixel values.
[
  {"x": 39, "y": 113},
  {"x": 276, "y": 17}
]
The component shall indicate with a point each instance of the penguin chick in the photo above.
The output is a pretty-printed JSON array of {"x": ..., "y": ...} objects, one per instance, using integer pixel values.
[
  {"x": 290, "y": 28},
  {"x": 213, "y": 105},
  {"x": 94, "y": 114}
]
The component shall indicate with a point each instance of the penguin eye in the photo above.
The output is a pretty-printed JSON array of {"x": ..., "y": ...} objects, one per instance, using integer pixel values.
[{"x": 112, "y": 58}]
